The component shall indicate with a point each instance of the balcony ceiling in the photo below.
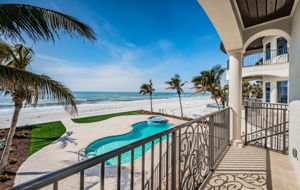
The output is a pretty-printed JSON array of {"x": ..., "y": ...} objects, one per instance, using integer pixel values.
[
  {"x": 255, "y": 45},
  {"x": 255, "y": 12}
]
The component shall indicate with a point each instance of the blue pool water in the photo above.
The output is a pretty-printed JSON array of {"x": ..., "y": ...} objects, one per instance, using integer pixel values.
[{"x": 140, "y": 131}]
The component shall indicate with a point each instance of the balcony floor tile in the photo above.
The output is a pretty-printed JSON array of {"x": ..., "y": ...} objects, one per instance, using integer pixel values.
[{"x": 253, "y": 168}]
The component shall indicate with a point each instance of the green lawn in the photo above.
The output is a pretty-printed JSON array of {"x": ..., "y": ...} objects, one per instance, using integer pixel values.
[
  {"x": 45, "y": 133},
  {"x": 102, "y": 117}
]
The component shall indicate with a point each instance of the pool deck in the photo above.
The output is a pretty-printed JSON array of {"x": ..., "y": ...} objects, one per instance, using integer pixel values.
[{"x": 64, "y": 151}]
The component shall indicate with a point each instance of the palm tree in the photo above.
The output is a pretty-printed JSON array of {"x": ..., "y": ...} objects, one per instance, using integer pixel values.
[
  {"x": 223, "y": 94},
  {"x": 209, "y": 81},
  {"x": 176, "y": 84},
  {"x": 256, "y": 89},
  {"x": 37, "y": 86},
  {"x": 147, "y": 89},
  {"x": 19, "y": 20},
  {"x": 246, "y": 89},
  {"x": 39, "y": 23},
  {"x": 16, "y": 56}
]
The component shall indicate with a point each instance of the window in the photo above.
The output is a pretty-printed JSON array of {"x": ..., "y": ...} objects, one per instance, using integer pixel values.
[
  {"x": 282, "y": 91},
  {"x": 268, "y": 51},
  {"x": 281, "y": 46},
  {"x": 268, "y": 91}
]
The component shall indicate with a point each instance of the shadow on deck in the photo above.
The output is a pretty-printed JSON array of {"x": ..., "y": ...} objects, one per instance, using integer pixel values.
[{"x": 253, "y": 168}]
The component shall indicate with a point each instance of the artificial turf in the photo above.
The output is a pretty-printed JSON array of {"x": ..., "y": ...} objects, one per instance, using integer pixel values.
[
  {"x": 102, "y": 117},
  {"x": 45, "y": 133}
]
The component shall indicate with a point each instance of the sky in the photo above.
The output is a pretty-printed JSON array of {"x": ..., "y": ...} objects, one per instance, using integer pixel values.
[{"x": 137, "y": 40}]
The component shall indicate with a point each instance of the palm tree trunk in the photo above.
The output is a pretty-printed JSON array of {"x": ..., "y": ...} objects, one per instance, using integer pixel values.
[
  {"x": 180, "y": 105},
  {"x": 151, "y": 103},
  {"x": 216, "y": 100},
  {"x": 12, "y": 130}
]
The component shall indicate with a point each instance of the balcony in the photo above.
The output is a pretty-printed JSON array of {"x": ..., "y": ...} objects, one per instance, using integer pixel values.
[
  {"x": 193, "y": 155},
  {"x": 271, "y": 57},
  {"x": 273, "y": 63}
]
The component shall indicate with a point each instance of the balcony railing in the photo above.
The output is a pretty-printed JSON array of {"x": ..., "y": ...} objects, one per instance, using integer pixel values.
[
  {"x": 179, "y": 158},
  {"x": 266, "y": 125},
  {"x": 268, "y": 57}
]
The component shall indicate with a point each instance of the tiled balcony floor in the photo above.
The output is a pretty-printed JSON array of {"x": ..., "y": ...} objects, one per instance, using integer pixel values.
[{"x": 253, "y": 168}]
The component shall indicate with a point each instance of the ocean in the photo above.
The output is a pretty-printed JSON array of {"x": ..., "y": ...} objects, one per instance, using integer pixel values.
[
  {"x": 92, "y": 103},
  {"x": 98, "y": 97}
]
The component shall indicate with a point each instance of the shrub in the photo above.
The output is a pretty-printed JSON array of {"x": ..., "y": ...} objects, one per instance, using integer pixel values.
[
  {"x": 4, "y": 177},
  {"x": 12, "y": 160}
]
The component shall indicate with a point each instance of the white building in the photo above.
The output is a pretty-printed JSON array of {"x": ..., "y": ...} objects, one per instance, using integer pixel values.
[
  {"x": 240, "y": 23},
  {"x": 267, "y": 59}
]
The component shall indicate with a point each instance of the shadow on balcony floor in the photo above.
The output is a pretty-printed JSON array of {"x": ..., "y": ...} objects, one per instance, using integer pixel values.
[{"x": 253, "y": 168}]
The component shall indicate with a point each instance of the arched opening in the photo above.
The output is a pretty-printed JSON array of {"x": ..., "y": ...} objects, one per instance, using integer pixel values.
[{"x": 269, "y": 50}]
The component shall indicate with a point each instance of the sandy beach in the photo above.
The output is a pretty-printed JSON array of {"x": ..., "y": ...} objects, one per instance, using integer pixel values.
[{"x": 192, "y": 107}]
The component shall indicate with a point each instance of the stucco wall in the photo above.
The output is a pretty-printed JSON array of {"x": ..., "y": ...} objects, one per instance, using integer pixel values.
[
  {"x": 273, "y": 81},
  {"x": 278, "y": 70},
  {"x": 294, "y": 92}
]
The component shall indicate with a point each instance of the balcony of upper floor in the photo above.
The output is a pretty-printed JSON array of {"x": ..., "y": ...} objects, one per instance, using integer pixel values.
[
  {"x": 273, "y": 63},
  {"x": 267, "y": 56}
]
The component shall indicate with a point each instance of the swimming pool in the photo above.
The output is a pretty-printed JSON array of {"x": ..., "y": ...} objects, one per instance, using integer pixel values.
[{"x": 140, "y": 131}]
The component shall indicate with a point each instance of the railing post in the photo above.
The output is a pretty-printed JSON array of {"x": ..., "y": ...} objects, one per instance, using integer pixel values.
[
  {"x": 81, "y": 180},
  {"x": 284, "y": 132},
  {"x": 173, "y": 161},
  {"x": 211, "y": 142},
  {"x": 266, "y": 127},
  {"x": 246, "y": 124}
]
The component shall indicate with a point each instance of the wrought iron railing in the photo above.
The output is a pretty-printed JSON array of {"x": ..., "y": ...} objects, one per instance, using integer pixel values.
[
  {"x": 178, "y": 158},
  {"x": 248, "y": 99},
  {"x": 268, "y": 57},
  {"x": 266, "y": 125}
]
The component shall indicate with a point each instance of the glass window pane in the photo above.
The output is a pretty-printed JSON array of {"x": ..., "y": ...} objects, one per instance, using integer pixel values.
[
  {"x": 268, "y": 91},
  {"x": 282, "y": 91}
]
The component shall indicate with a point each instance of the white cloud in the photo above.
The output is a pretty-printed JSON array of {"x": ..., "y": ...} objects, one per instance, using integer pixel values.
[{"x": 119, "y": 76}]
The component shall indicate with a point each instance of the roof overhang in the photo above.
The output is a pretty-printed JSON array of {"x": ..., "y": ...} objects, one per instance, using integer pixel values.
[
  {"x": 238, "y": 22},
  {"x": 254, "y": 12}
]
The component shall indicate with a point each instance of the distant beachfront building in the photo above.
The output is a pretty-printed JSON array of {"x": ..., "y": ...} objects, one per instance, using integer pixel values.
[{"x": 267, "y": 60}]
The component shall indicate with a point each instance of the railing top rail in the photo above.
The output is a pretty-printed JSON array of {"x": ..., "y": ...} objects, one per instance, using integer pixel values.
[
  {"x": 257, "y": 102},
  {"x": 272, "y": 50},
  {"x": 63, "y": 173},
  {"x": 269, "y": 108},
  {"x": 270, "y": 57}
]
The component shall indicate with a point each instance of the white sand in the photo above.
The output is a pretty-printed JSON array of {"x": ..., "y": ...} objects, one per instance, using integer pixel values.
[{"x": 192, "y": 107}]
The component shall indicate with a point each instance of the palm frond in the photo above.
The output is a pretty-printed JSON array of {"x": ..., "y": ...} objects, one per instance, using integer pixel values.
[
  {"x": 39, "y": 23},
  {"x": 12, "y": 79},
  {"x": 175, "y": 84},
  {"x": 147, "y": 88}
]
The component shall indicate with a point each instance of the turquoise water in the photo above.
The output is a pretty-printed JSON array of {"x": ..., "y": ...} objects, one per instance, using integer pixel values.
[
  {"x": 140, "y": 131},
  {"x": 98, "y": 97}
]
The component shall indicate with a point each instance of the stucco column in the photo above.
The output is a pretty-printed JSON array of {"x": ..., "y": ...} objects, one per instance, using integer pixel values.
[
  {"x": 294, "y": 91},
  {"x": 273, "y": 91},
  {"x": 235, "y": 95}
]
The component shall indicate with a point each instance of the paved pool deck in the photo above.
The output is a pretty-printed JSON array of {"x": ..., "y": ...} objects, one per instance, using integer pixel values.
[{"x": 64, "y": 151}]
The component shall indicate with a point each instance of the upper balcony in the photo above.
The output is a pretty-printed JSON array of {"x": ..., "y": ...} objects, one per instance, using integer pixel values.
[
  {"x": 268, "y": 63},
  {"x": 270, "y": 57},
  {"x": 273, "y": 63}
]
